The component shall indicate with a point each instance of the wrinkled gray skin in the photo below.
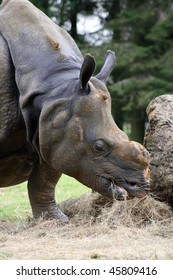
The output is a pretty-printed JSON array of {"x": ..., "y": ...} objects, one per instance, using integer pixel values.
[{"x": 56, "y": 118}]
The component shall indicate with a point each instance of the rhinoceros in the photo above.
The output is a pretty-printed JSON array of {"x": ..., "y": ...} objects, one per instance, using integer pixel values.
[{"x": 55, "y": 116}]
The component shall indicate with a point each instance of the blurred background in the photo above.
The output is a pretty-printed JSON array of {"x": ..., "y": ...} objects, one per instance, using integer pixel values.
[{"x": 141, "y": 34}]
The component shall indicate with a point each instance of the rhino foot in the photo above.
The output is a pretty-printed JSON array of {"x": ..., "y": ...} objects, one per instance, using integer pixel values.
[
  {"x": 41, "y": 191},
  {"x": 54, "y": 213}
]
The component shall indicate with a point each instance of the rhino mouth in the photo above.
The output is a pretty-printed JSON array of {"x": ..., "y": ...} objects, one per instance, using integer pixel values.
[
  {"x": 128, "y": 190},
  {"x": 117, "y": 192}
]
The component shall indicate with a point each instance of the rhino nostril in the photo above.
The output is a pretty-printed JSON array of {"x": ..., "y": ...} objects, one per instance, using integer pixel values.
[{"x": 132, "y": 184}]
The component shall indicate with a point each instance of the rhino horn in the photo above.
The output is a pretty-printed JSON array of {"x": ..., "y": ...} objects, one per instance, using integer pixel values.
[
  {"x": 108, "y": 66},
  {"x": 87, "y": 70}
]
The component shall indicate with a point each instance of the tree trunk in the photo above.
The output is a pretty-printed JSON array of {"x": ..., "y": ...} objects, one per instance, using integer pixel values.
[
  {"x": 159, "y": 142},
  {"x": 137, "y": 125},
  {"x": 73, "y": 19}
]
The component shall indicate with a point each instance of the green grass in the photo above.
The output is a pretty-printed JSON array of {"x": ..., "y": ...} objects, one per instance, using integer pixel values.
[{"x": 14, "y": 201}]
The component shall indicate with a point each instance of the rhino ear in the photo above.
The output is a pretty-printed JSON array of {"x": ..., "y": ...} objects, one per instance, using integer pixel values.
[
  {"x": 108, "y": 66},
  {"x": 87, "y": 70}
]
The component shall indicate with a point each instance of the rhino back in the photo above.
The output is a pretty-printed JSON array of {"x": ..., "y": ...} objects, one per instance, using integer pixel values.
[{"x": 39, "y": 48}]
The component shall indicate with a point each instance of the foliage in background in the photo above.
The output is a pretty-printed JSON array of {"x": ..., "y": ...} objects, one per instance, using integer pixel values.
[{"x": 143, "y": 39}]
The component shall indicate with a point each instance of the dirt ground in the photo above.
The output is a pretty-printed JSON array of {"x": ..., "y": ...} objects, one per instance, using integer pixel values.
[{"x": 98, "y": 229}]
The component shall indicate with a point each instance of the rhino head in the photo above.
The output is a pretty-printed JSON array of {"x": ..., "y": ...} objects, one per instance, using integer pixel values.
[{"x": 78, "y": 137}]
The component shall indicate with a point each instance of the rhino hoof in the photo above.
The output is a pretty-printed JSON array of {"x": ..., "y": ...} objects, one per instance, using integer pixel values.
[{"x": 58, "y": 215}]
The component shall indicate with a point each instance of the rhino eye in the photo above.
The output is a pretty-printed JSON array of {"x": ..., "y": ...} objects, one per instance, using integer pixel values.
[{"x": 100, "y": 147}]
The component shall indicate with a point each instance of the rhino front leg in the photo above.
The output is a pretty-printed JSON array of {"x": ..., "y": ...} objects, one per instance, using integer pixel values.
[{"x": 41, "y": 190}]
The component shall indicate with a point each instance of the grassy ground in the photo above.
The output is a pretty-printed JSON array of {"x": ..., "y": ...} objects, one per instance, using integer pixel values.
[
  {"x": 98, "y": 228},
  {"x": 14, "y": 202}
]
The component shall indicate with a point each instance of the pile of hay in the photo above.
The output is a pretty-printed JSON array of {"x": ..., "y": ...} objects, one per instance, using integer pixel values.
[
  {"x": 99, "y": 229},
  {"x": 95, "y": 208}
]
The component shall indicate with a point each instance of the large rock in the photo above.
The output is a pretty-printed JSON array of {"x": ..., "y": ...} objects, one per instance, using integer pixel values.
[{"x": 159, "y": 142}]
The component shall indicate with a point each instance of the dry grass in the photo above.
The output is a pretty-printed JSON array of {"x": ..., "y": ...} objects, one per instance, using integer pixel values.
[{"x": 98, "y": 229}]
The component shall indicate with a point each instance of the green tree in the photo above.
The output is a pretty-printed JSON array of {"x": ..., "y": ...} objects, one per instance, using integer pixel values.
[
  {"x": 67, "y": 12},
  {"x": 44, "y": 5},
  {"x": 143, "y": 42}
]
